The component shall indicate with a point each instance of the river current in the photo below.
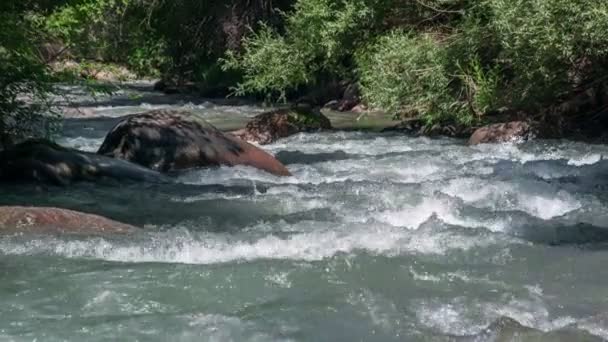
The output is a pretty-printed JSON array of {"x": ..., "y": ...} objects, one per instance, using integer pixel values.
[{"x": 375, "y": 237}]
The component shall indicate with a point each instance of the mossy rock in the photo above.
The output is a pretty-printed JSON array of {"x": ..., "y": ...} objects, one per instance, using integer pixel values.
[
  {"x": 281, "y": 123},
  {"x": 308, "y": 119}
]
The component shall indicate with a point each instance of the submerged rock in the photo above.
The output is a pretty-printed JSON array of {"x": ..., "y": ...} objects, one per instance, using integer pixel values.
[
  {"x": 271, "y": 126},
  {"x": 167, "y": 140},
  {"x": 508, "y": 329},
  {"x": 14, "y": 219},
  {"x": 47, "y": 162},
  {"x": 502, "y": 132}
]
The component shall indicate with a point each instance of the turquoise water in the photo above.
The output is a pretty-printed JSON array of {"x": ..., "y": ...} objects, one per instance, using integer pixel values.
[{"x": 376, "y": 237}]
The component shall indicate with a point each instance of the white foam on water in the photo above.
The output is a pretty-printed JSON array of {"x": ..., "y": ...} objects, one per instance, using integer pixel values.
[
  {"x": 81, "y": 143},
  {"x": 413, "y": 216},
  {"x": 216, "y": 327},
  {"x": 280, "y": 279},
  {"x": 588, "y": 159},
  {"x": 381, "y": 311},
  {"x": 537, "y": 199},
  {"x": 597, "y": 326},
  {"x": 456, "y": 276},
  {"x": 388, "y": 169},
  {"x": 463, "y": 317},
  {"x": 111, "y": 302},
  {"x": 218, "y": 248},
  {"x": 577, "y": 154},
  {"x": 547, "y": 208},
  {"x": 395, "y": 196},
  {"x": 287, "y": 203},
  {"x": 424, "y": 276},
  {"x": 350, "y": 142}
]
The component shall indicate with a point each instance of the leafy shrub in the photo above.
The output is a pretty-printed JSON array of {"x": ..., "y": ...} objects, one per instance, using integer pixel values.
[
  {"x": 405, "y": 74},
  {"x": 109, "y": 31},
  {"x": 550, "y": 45},
  {"x": 25, "y": 83},
  {"x": 270, "y": 65},
  {"x": 316, "y": 46}
]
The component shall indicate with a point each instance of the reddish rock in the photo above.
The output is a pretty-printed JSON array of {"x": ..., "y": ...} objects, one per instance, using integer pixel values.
[
  {"x": 360, "y": 108},
  {"x": 271, "y": 126},
  {"x": 167, "y": 140},
  {"x": 502, "y": 132},
  {"x": 54, "y": 220}
]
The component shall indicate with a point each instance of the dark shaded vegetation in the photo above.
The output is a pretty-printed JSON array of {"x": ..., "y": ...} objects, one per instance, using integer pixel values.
[
  {"x": 445, "y": 61},
  {"x": 459, "y": 62}
]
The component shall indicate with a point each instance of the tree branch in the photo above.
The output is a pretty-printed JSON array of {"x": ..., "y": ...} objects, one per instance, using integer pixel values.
[{"x": 438, "y": 9}]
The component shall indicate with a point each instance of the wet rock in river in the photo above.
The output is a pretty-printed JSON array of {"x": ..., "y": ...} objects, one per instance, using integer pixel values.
[
  {"x": 168, "y": 140},
  {"x": 281, "y": 123},
  {"x": 15, "y": 219},
  {"x": 502, "y": 132},
  {"x": 349, "y": 100},
  {"x": 46, "y": 162}
]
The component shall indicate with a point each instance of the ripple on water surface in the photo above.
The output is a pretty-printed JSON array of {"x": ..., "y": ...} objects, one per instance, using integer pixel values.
[{"x": 386, "y": 236}]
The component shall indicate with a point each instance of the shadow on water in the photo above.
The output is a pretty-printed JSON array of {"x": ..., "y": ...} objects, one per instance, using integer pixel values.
[
  {"x": 559, "y": 231},
  {"x": 560, "y": 234},
  {"x": 296, "y": 157},
  {"x": 158, "y": 206},
  {"x": 586, "y": 177}
]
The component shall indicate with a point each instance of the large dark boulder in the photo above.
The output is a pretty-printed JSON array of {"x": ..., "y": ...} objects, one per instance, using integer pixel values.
[
  {"x": 47, "y": 162},
  {"x": 271, "y": 126},
  {"x": 167, "y": 140},
  {"x": 503, "y": 132},
  {"x": 55, "y": 220}
]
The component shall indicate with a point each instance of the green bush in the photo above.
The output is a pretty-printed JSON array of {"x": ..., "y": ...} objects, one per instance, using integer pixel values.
[
  {"x": 109, "y": 31},
  {"x": 405, "y": 74},
  {"x": 270, "y": 65},
  {"x": 316, "y": 47},
  {"x": 481, "y": 88},
  {"x": 442, "y": 60},
  {"x": 551, "y": 46},
  {"x": 25, "y": 82}
]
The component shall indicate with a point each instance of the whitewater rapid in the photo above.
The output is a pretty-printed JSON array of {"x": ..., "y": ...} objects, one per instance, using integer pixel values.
[{"x": 375, "y": 237}]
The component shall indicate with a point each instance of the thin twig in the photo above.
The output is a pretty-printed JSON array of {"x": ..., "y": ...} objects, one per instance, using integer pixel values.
[{"x": 439, "y": 10}]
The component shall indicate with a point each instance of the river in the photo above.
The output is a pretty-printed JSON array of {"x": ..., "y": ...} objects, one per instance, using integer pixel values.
[{"x": 376, "y": 237}]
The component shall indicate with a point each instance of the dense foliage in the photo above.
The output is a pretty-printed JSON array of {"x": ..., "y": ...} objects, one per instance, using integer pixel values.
[
  {"x": 25, "y": 82},
  {"x": 182, "y": 40},
  {"x": 444, "y": 60},
  {"x": 441, "y": 60}
]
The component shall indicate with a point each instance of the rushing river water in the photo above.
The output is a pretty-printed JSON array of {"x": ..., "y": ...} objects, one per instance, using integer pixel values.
[{"x": 376, "y": 237}]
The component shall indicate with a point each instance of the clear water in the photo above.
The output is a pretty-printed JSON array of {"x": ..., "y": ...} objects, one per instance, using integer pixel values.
[{"x": 376, "y": 237}]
